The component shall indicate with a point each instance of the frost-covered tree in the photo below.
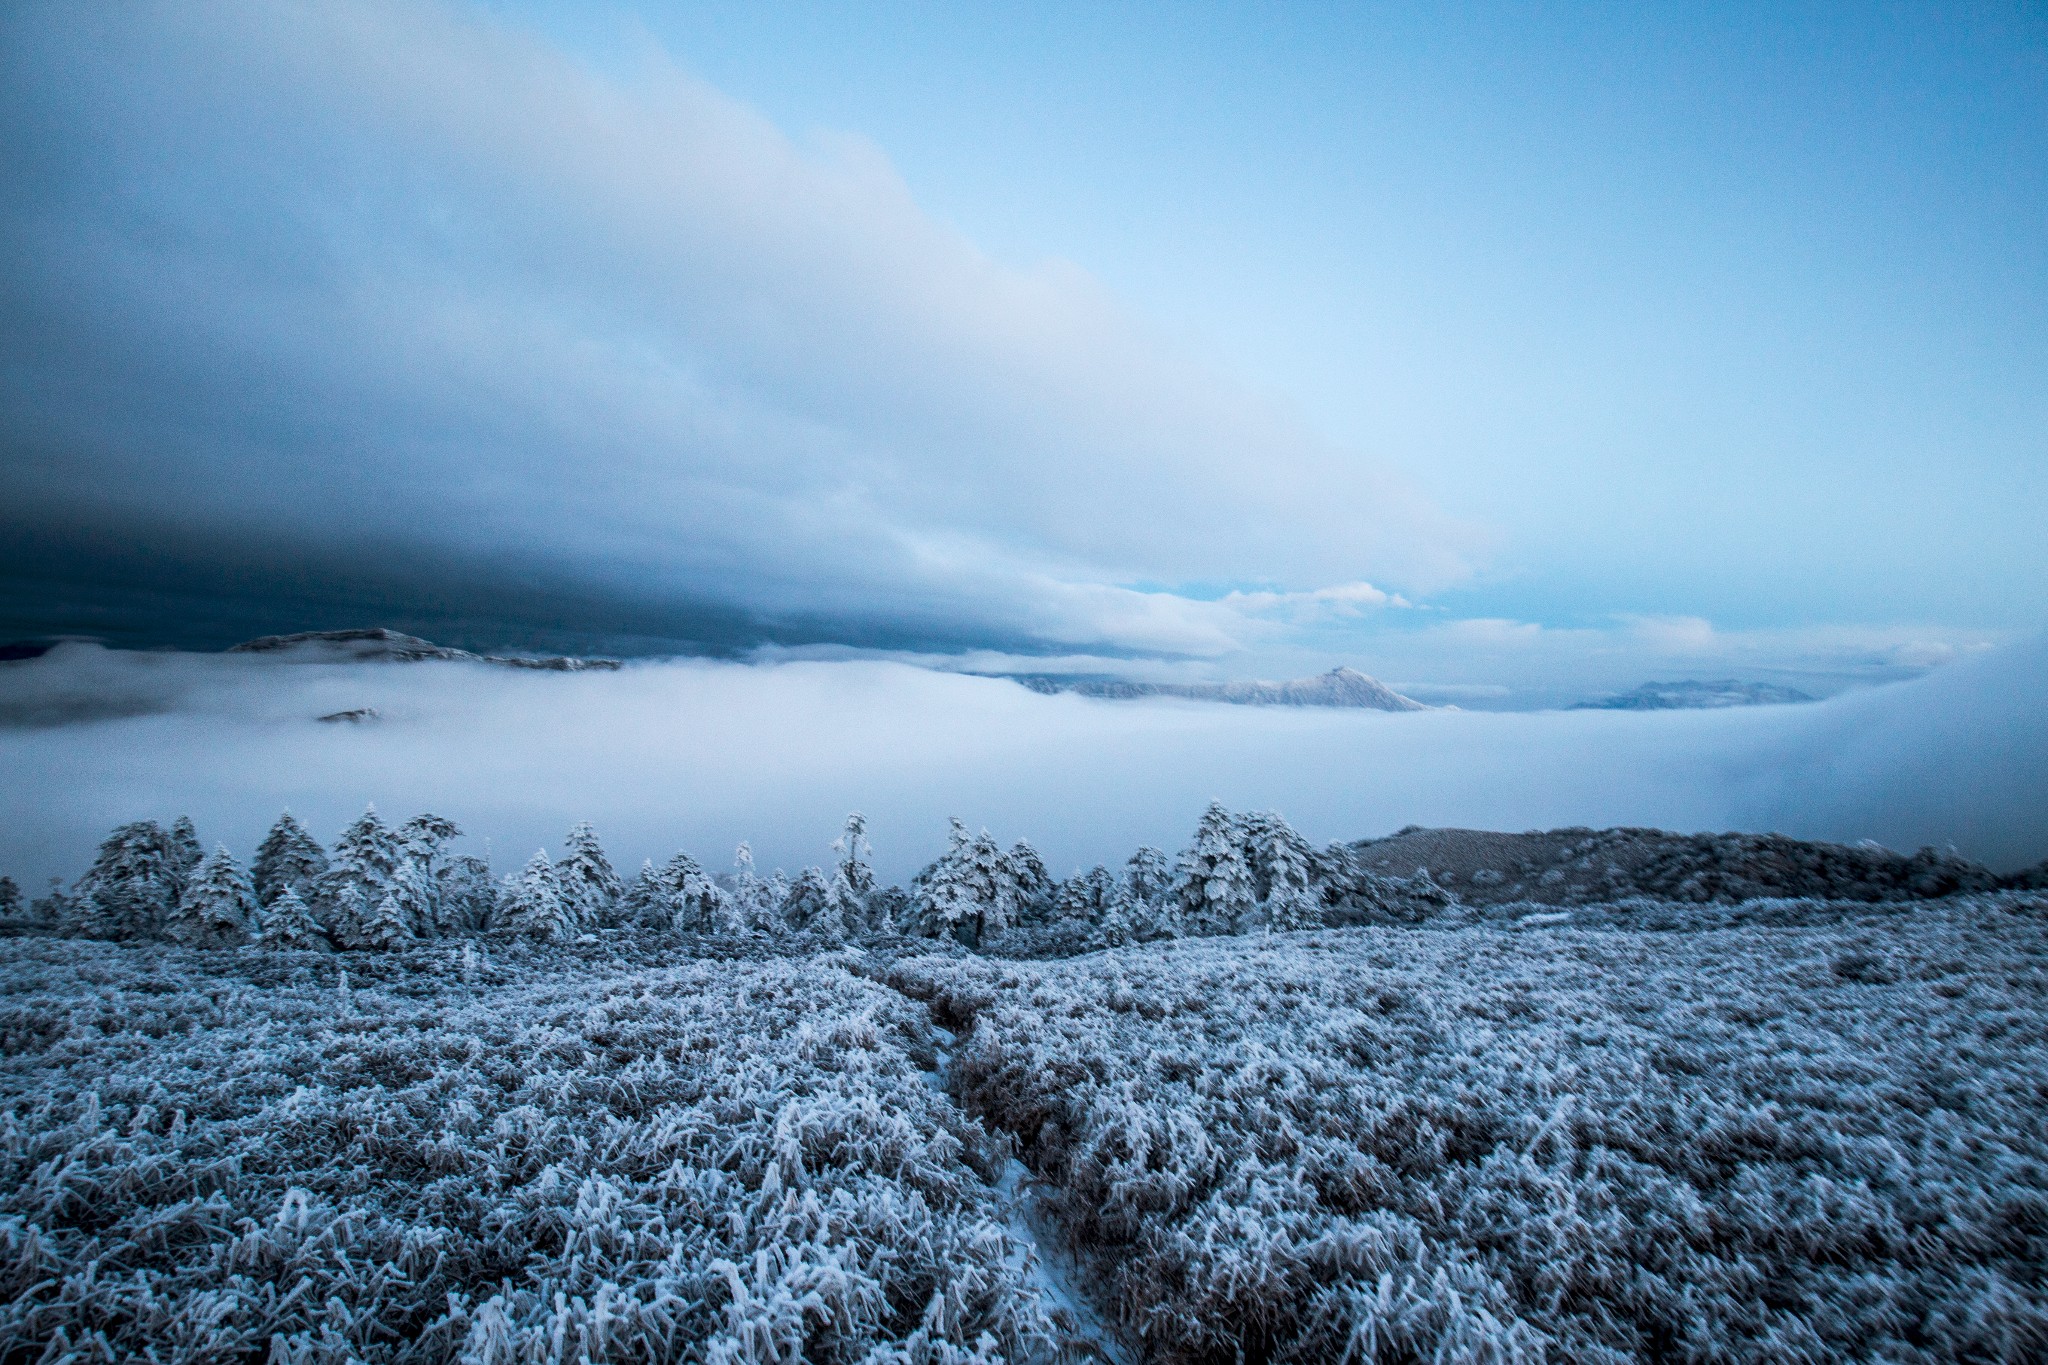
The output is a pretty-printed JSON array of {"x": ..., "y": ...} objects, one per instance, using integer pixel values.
[
  {"x": 286, "y": 924},
  {"x": 132, "y": 886},
  {"x": 288, "y": 857},
  {"x": 362, "y": 869},
  {"x": 1283, "y": 872},
  {"x": 590, "y": 888},
  {"x": 387, "y": 927},
  {"x": 1099, "y": 899},
  {"x": 532, "y": 904},
  {"x": 1148, "y": 876},
  {"x": 12, "y": 911},
  {"x": 812, "y": 906},
  {"x": 1215, "y": 887},
  {"x": 218, "y": 907},
  {"x": 59, "y": 911},
  {"x": 424, "y": 836},
  {"x": 185, "y": 850},
  {"x": 972, "y": 889},
  {"x": 464, "y": 895},
  {"x": 678, "y": 895},
  {"x": 751, "y": 903},
  {"x": 1032, "y": 887},
  {"x": 854, "y": 849}
]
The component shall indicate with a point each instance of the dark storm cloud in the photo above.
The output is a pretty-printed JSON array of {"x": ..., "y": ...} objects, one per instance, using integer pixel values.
[{"x": 347, "y": 296}]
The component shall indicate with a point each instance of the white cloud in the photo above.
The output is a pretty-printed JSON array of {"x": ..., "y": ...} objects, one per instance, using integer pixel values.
[
  {"x": 701, "y": 755},
  {"x": 371, "y": 273}
]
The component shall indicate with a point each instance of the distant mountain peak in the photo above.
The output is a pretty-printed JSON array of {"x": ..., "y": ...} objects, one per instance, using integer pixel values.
[
  {"x": 381, "y": 645},
  {"x": 1694, "y": 695},
  {"x": 1341, "y": 687}
]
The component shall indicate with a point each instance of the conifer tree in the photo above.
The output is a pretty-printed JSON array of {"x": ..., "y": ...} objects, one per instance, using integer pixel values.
[
  {"x": 1148, "y": 876},
  {"x": 679, "y": 896},
  {"x": 753, "y": 902},
  {"x": 387, "y": 927},
  {"x": 185, "y": 850},
  {"x": 811, "y": 906},
  {"x": 853, "y": 848},
  {"x": 218, "y": 907},
  {"x": 288, "y": 857},
  {"x": 1282, "y": 864},
  {"x": 132, "y": 886},
  {"x": 12, "y": 911},
  {"x": 1031, "y": 887},
  {"x": 286, "y": 924},
  {"x": 1215, "y": 887},
  {"x": 464, "y": 894},
  {"x": 532, "y": 904},
  {"x": 972, "y": 889},
  {"x": 362, "y": 870},
  {"x": 590, "y": 888}
]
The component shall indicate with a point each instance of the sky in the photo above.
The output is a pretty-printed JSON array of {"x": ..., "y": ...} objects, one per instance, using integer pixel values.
[{"x": 1505, "y": 353}]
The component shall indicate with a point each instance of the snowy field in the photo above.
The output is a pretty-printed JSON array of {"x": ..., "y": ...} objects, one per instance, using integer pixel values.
[
  {"x": 700, "y": 756},
  {"x": 1819, "y": 1142}
]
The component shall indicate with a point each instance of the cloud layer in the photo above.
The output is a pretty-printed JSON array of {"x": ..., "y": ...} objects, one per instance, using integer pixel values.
[
  {"x": 394, "y": 301},
  {"x": 699, "y": 755}
]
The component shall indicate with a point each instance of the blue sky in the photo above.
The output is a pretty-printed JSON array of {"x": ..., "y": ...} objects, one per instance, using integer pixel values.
[
  {"x": 1603, "y": 345},
  {"x": 1741, "y": 311}
]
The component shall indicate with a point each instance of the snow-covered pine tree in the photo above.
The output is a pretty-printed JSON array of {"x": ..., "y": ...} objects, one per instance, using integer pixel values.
[
  {"x": 218, "y": 907},
  {"x": 532, "y": 904},
  {"x": 812, "y": 907},
  {"x": 969, "y": 891},
  {"x": 424, "y": 836},
  {"x": 12, "y": 911},
  {"x": 185, "y": 850},
  {"x": 641, "y": 902},
  {"x": 287, "y": 925},
  {"x": 1283, "y": 872},
  {"x": 1099, "y": 899},
  {"x": 1148, "y": 876},
  {"x": 1031, "y": 887},
  {"x": 130, "y": 889},
  {"x": 1215, "y": 888},
  {"x": 363, "y": 869},
  {"x": 464, "y": 895},
  {"x": 853, "y": 849},
  {"x": 59, "y": 912},
  {"x": 287, "y": 857},
  {"x": 387, "y": 927},
  {"x": 754, "y": 904},
  {"x": 590, "y": 888},
  {"x": 854, "y": 911},
  {"x": 695, "y": 902}
]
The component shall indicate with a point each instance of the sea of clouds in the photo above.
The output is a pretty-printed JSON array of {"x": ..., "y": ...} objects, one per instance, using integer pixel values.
[{"x": 700, "y": 755}]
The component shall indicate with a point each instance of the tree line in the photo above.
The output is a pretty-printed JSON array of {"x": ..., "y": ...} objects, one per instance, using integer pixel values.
[{"x": 377, "y": 887}]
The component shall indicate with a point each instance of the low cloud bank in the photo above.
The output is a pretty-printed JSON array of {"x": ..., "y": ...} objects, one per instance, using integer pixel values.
[{"x": 700, "y": 755}]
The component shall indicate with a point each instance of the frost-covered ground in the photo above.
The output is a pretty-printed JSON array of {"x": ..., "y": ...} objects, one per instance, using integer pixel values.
[
  {"x": 1823, "y": 1139},
  {"x": 236, "y": 1156}
]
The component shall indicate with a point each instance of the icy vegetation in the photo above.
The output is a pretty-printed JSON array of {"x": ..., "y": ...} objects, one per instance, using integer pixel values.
[
  {"x": 1256, "y": 1100},
  {"x": 1788, "y": 1144}
]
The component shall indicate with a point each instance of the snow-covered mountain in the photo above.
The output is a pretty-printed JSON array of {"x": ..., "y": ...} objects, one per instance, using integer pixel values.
[
  {"x": 379, "y": 645},
  {"x": 1693, "y": 695},
  {"x": 1344, "y": 687}
]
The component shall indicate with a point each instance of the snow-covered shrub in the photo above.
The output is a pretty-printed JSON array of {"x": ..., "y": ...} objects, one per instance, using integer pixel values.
[
  {"x": 1827, "y": 1141},
  {"x": 208, "y": 1157}
]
